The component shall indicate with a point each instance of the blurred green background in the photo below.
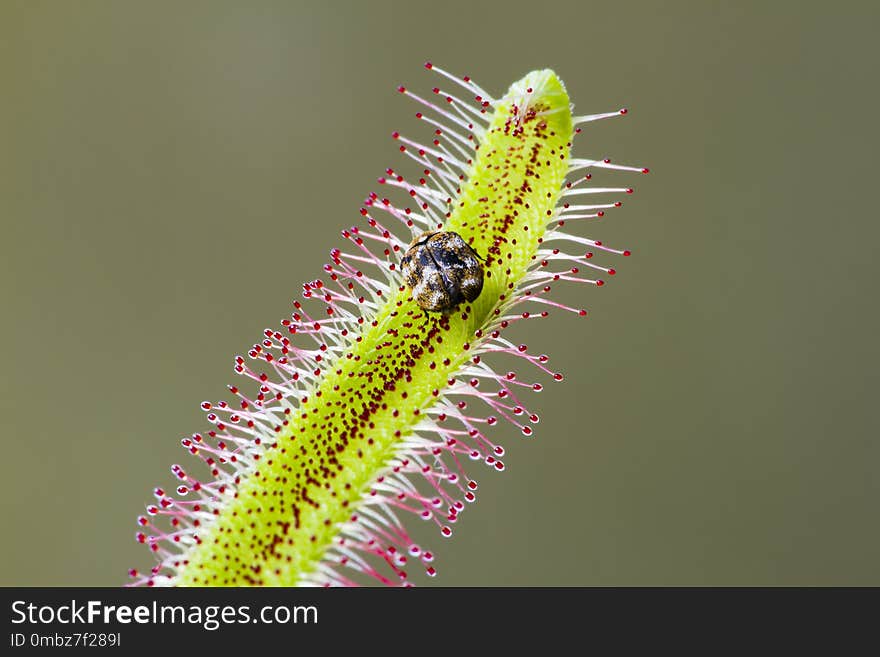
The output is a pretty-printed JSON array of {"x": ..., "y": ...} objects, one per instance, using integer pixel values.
[{"x": 171, "y": 172}]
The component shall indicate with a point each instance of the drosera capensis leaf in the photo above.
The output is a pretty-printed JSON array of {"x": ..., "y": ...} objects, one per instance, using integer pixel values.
[{"x": 365, "y": 409}]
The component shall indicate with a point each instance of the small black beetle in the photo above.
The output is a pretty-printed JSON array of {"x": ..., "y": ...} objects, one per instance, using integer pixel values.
[{"x": 442, "y": 270}]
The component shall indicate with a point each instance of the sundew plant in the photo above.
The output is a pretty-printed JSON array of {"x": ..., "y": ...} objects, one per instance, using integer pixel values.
[{"x": 363, "y": 413}]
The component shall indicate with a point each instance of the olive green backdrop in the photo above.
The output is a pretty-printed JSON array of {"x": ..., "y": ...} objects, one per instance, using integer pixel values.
[{"x": 171, "y": 172}]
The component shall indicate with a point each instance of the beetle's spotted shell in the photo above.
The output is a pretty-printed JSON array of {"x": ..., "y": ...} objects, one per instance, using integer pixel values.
[{"x": 442, "y": 270}]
